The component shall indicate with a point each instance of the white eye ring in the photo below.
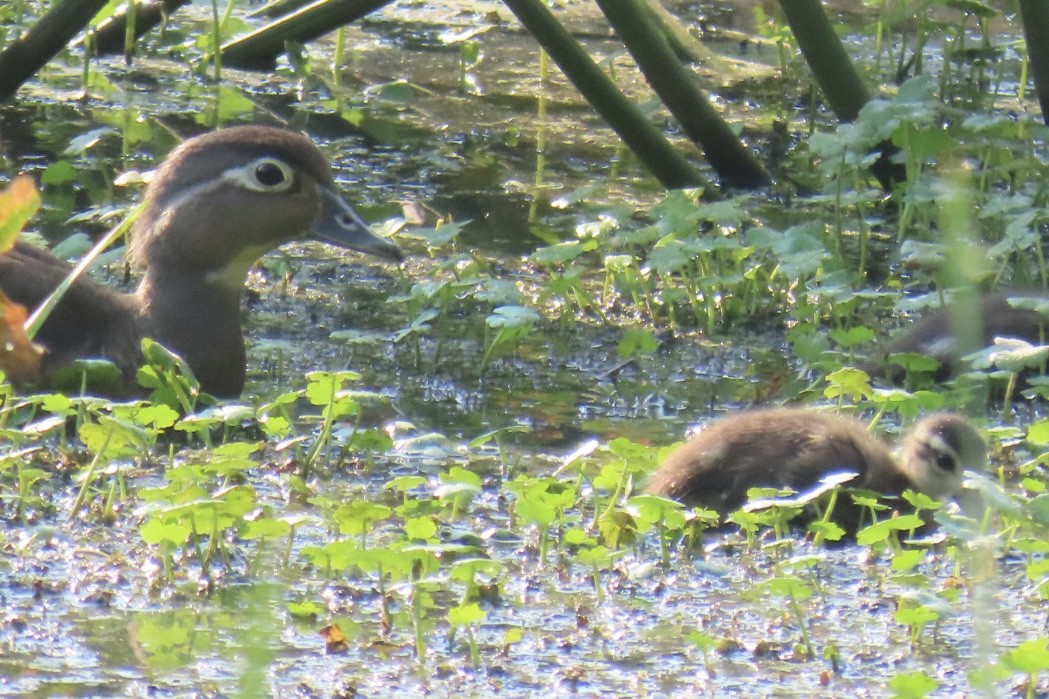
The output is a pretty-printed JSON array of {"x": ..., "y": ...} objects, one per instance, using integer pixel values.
[{"x": 263, "y": 175}]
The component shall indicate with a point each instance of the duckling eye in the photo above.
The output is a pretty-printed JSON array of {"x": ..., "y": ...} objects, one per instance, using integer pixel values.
[
  {"x": 945, "y": 461},
  {"x": 271, "y": 175}
]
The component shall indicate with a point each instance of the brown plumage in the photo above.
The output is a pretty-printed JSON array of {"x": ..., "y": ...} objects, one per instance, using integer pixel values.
[
  {"x": 217, "y": 203},
  {"x": 795, "y": 448},
  {"x": 933, "y": 336}
]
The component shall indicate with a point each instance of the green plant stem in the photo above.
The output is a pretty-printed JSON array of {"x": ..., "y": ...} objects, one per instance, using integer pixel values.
[
  {"x": 417, "y": 625},
  {"x": 384, "y": 600},
  {"x": 595, "y": 575},
  {"x": 27, "y": 54},
  {"x": 1035, "y": 17},
  {"x": 216, "y": 40},
  {"x": 826, "y": 57},
  {"x": 673, "y": 82},
  {"x": 796, "y": 608},
  {"x": 540, "y": 133},
  {"x": 836, "y": 75},
  {"x": 475, "y": 654},
  {"x": 259, "y": 49},
  {"x": 89, "y": 477},
  {"x": 129, "y": 32},
  {"x": 323, "y": 437},
  {"x": 644, "y": 139},
  {"x": 339, "y": 57}
]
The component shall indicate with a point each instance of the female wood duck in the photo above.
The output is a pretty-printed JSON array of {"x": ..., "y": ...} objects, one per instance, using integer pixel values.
[
  {"x": 795, "y": 448},
  {"x": 216, "y": 204}
]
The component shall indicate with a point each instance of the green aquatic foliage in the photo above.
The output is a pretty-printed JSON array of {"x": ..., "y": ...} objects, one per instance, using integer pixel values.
[
  {"x": 406, "y": 547},
  {"x": 912, "y": 685},
  {"x": 511, "y": 325}
]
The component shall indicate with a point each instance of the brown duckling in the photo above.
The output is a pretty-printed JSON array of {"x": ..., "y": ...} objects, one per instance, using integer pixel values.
[
  {"x": 216, "y": 204},
  {"x": 796, "y": 447},
  {"x": 932, "y": 334}
]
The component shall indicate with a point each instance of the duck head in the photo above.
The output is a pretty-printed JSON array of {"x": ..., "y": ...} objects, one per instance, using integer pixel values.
[{"x": 221, "y": 200}]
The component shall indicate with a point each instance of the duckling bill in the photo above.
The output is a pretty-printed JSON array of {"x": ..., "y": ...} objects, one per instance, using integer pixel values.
[
  {"x": 216, "y": 204},
  {"x": 795, "y": 448}
]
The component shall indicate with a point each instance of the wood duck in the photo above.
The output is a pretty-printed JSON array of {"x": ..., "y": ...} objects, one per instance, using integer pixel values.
[
  {"x": 932, "y": 335},
  {"x": 795, "y": 448},
  {"x": 216, "y": 204}
]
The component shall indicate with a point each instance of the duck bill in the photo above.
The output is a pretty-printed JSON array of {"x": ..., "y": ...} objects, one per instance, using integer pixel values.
[{"x": 338, "y": 224}]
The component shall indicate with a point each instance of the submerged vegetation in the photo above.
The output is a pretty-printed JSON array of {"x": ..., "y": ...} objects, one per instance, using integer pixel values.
[{"x": 438, "y": 487}]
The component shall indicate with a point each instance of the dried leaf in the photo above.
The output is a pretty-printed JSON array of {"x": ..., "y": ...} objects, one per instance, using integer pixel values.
[
  {"x": 334, "y": 639},
  {"x": 19, "y": 357}
]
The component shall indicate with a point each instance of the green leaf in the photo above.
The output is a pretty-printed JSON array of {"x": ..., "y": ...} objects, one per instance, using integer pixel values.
[
  {"x": 155, "y": 532},
  {"x": 912, "y": 685},
  {"x": 1038, "y": 433},
  {"x": 358, "y": 516},
  {"x": 881, "y": 530},
  {"x": 670, "y": 255},
  {"x": 788, "y": 586},
  {"x": 853, "y": 337},
  {"x": 306, "y": 610},
  {"x": 556, "y": 254},
  {"x": 465, "y": 615},
  {"x": 903, "y": 561},
  {"x": 440, "y": 235},
  {"x": 637, "y": 342},
  {"x": 265, "y": 528},
  {"x": 420, "y": 528},
  {"x": 59, "y": 172},
  {"x": 1030, "y": 657},
  {"x": 512, "y": 317},
  {"x": 405, "y": 483}
]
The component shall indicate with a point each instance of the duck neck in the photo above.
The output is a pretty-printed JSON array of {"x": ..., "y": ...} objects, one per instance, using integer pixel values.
[{"x": 197, "y": 316}]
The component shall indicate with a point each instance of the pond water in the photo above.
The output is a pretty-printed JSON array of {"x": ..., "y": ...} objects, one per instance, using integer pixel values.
[{"x": 90, "y": 609}]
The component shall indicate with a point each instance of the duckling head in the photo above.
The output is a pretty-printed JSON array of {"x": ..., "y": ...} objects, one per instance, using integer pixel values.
[{"x": 937, "y": 450}]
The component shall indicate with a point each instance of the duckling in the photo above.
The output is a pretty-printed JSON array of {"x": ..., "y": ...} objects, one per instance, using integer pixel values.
[
  {"x": 796, "y": 447},
  {"x": 932, "y": 335},
  {"x": 215, "y": 205}
]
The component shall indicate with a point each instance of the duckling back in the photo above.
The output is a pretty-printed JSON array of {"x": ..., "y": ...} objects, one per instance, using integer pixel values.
[{"x": 783, "y": 447}]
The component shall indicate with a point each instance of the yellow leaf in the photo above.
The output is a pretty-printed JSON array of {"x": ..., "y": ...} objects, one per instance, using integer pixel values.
[{"x": 18, "y": 203}]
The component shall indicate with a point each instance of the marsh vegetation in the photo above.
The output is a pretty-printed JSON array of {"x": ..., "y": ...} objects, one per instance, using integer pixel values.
[{"x": 432, "y": 481}]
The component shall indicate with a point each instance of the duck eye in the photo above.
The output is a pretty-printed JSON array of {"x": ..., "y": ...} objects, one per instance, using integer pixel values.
[{"x": 271, "y": 174}]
